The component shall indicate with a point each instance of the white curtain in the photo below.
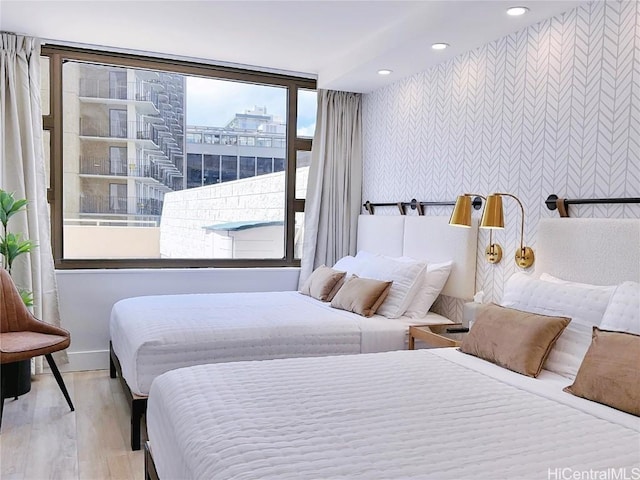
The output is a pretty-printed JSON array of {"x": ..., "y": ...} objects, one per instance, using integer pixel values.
[
  {"x": 22, "y": 170},
  {"x": 334, "y": 190}
]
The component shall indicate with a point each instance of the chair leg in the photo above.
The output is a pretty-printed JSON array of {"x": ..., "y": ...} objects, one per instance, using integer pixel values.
[
  {"x": 1, "y": 399},
  {"x": 56, "y": 373}
]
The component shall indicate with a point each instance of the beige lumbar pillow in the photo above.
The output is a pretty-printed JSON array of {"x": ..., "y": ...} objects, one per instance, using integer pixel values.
[
  {"x": 513, "y": 339},
  {"x": 323, "y": 283},
  {"x": 610, "y": 371},
  {"x": 361, "y": 295}
]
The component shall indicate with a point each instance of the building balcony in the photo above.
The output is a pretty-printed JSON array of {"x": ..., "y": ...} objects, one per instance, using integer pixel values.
[
  {"x": 98, "y": 204},
  {"x": 104, "y": 89},
  {"x": 106, "y": 166},
  {"x": 124, "y": 130}
]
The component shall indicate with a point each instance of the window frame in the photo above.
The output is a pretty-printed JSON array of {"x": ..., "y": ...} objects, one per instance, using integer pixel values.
[{"x": 53, "y": 122}]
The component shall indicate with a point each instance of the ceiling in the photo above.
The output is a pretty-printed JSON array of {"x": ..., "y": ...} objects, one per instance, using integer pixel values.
[{"x": 342, "y": 43}]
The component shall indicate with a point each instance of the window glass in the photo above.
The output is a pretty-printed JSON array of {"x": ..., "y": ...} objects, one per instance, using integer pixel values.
[
  {"x": 264, "y": 165},
  {"x": 247, "y": 167},
  {"x": 194, "y": 170},
  {"x": 229, "y": 168},
  {"x": 211, "y": 170},
  {"x": 264, "y": 142},
  {"x": 194, "y": 138},
  {"x": 278, "y": 164},
  {"x": 46, "y": 145},
  {"x": 117, "y": 161},
  {"x": 307, "y": 106},
  {"x": 45, "y": 86},
  {"x": 299, "y": 235},
  {"x": 135, "y": 141},
  {"x": 303, "y": 160}
]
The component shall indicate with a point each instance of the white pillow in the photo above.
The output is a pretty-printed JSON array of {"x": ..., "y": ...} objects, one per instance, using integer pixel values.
[
  {"x": 585, "y": 305},
  {"x": 433, "y": 280},
  {"x": 623, "y": 312},
  {"x": 550, "y": 278},
  {"x": 347, "y": 264},
  {"x": 405, "y": 275}
]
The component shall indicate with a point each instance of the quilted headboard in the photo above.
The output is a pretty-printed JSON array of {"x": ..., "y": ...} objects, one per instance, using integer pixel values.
[
  {"x": 600, "y": 251},
  {"x": 425, "y": 238}
]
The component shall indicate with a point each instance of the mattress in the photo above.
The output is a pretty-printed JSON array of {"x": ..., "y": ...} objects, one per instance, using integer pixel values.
[
  {"x": 395, "y": 415},
  {"x": 155, "y": 334}
]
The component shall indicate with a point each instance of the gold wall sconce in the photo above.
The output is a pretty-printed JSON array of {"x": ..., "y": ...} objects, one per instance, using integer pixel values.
[
  {"x": 461, "y": 217},
  {"x": 493, "y": 218}
]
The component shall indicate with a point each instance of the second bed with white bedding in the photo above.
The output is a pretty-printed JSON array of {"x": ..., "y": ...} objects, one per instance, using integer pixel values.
[
  {"x": 152, "y": 335},
  {"x": 410, "y": 414}
]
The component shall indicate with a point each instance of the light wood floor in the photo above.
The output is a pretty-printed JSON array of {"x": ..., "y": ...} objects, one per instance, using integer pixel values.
[{"x": 42, "y": 439}]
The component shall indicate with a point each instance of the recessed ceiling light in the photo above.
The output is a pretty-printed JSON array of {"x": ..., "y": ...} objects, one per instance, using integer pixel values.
[
  {"x": 439, "y": 46},
  {"x": 384, "y": 71},
  {"x": 517, "y": 11}
]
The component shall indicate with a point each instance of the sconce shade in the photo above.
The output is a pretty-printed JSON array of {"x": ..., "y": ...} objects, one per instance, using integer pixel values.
[
  {"x": 493, "y": 215},
  {"x": 461, "y": 216}
]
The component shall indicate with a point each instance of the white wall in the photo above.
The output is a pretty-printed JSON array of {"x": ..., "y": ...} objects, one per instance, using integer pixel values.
[
  {"x": 86, "y": 298},
  {"x": 99, "y": 241},
  {"x": 185, "y": 213},
  {"x": 553, "y": 109}
]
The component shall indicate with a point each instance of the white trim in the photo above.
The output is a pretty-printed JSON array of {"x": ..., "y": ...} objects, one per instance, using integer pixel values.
[
  {"x": 81, "y": 361},
  {"x": 181, "y": 58}
]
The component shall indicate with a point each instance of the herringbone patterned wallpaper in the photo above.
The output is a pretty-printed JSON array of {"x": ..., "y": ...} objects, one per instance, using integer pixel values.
[{"x": 551, "y": 109}]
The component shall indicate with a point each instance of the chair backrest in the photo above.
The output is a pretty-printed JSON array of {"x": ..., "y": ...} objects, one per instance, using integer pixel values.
[{"x": 13, "y": 312}]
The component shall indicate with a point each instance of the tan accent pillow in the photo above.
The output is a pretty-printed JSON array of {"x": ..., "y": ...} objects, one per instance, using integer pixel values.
[
  {"x": 610, "y": 371},
  {"x": 322, "y": 282},
  {"x": 519, "y": 341},
  {"x": 361, "y": 295}
]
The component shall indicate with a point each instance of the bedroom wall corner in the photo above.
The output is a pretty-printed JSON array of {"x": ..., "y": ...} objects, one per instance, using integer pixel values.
[{"x": 554, "y": 108}]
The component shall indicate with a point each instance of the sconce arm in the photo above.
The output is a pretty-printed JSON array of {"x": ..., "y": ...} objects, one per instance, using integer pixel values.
[{"x": 521, "y": 216}]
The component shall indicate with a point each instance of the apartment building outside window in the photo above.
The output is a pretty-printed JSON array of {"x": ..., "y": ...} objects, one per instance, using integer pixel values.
[{"x": 158, "y": 163}]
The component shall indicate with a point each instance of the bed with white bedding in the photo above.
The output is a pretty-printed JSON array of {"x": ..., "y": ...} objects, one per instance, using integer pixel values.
[
  {"x": 152, "y": 335},
  {"x": 436, "y": 414},
  {"x": 174, "y": 331}
]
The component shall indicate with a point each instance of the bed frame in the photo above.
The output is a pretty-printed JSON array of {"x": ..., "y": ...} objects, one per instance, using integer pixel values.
[
  {"x": 392, "y": 235},
  {"x": 137, "y": 404},
  {"x": 150, "y": 472}
]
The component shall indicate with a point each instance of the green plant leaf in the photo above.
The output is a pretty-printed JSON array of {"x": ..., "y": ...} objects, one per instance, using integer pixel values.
[
  {"x": 9, "y": 206},
  {"x": 27, "y": 297},
  {"x": 13, "y": 245}
]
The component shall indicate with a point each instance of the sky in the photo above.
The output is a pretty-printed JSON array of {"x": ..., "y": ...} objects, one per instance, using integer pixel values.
[{"x": 214, "y": 102}]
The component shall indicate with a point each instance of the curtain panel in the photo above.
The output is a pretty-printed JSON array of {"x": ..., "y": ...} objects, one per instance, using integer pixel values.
[
  {"x": 334, "y": 189},
  {"x": 23, "y": 170}
]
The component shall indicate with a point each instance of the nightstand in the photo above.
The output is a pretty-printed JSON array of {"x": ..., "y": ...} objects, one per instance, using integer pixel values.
[{"x": 435, "y": 336}]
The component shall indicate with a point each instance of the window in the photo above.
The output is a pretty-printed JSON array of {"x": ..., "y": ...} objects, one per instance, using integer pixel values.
[
  {"x": 118, "y": 160},
  {"x": 211, "y": 173},
  {"x": 247, "y": 167},
  {"x": 307, "y": 106},
  {"x": 117, "y": 124},
  {"x": 194, "y": 170},
  {"x": 169, "y": 127},
  {"x": 194, "y": 138},
  {"x": 118, "y": 85},
  {"x": 264, "y": 165},
  {"x": 117, "y": 198},
  {"x": 229, "y": 168}
]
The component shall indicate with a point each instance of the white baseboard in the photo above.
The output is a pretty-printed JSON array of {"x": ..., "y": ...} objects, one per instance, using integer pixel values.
[{"x": 80, "y": 361}]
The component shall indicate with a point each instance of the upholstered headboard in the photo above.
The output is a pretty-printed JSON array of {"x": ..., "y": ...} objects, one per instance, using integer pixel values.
[
  {"x": 425, "y": 238},
  {"x": 600, "y": 251}
]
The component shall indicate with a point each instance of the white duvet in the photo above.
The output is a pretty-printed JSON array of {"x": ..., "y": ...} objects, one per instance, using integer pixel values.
[
  {"x": 407, "y": 414},
  {"x": 155, "y": 334}
]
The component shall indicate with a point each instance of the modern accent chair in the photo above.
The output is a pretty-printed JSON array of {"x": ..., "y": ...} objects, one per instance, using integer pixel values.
[{"x": 22, "y": 336}]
